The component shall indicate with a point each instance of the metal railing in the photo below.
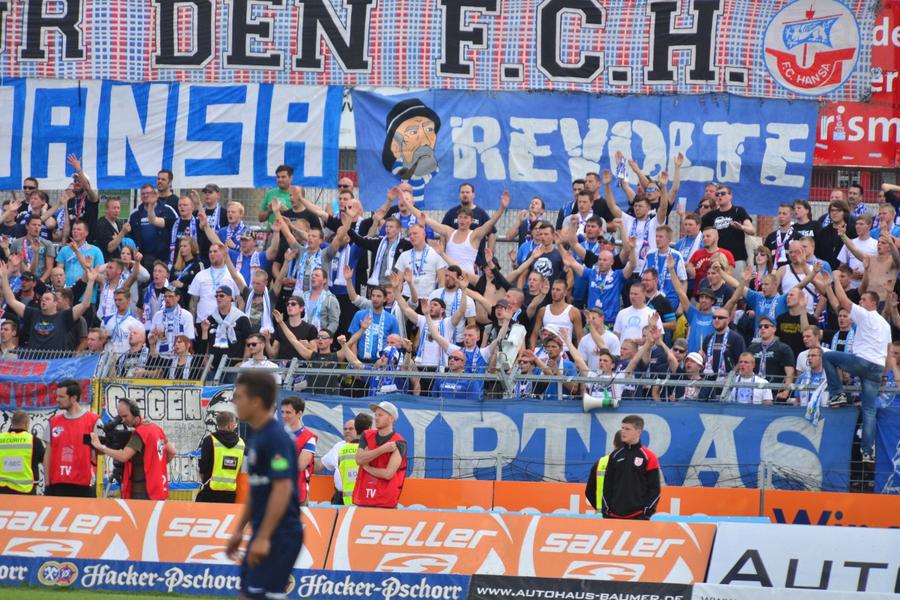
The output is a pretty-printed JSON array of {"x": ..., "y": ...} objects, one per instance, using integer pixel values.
[
  {"x": 339, "y": 380},
  {"x": 497, "y": 384}
]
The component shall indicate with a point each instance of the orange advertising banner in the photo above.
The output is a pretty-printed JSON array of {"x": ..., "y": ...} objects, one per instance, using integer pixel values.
[
  {"x": 368, "y": 539},
  {"x": 830, "y": 508},
  {"x": 590, "y": 548},
  {"x": 179, "y": 532},
  {"x": 816, "y": 508},
  {"x": 451, "y": 494},
  {"x": 555, "y": 498}
]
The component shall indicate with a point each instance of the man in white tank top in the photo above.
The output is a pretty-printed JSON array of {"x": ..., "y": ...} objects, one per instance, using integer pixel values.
[
  {"x": 559, "y": 313},
  {"x": 461, "y": 245}
]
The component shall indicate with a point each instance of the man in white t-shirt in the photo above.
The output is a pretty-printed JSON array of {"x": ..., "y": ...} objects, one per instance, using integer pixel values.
[
  {"x": 204, "y": 285},
  {"x": 597, "y": 338},
  {"x": 256, "y": 359},
  {"x": 120, "y": 324},
  {"x": 428, "y": 352},
  {"x": 452, "y": 294},
  {"x": 641, "y": 228},
  {"x": 812, "y": 338},
  {"x": 746, "y": 388},
  {"x": 170, "y": 322},
  {"x": 630, "y": 322},
  {"x": 870, "y": 348},
  {"x": 426, "y": 264},
  {"x": 865, "y": 244}
]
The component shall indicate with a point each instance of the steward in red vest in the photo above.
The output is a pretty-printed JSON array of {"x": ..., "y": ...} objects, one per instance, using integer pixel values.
[
  {"x": 146, "y": 457},
  {"x": 382, "y": 461}
]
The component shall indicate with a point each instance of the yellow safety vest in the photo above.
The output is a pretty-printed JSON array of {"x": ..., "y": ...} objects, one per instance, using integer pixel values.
[
  {"x": 601, "y": 477},
  {"x": 226, "y": 465},
  {"x": 15, "y": 461},
  {"x": 348, "y": 468}
]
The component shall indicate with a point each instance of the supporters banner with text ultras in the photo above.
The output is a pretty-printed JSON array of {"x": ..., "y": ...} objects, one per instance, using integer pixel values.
[
  {"x": 765, "y": 48},
  {"x": 233, "y": 134},
  {"x": 708, "y": 444},
  {"x": 887, "y": 451},
  {"x": 537, "y": 144}
]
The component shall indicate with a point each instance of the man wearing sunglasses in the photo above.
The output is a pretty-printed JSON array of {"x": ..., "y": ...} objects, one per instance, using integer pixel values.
[
  {"x": 733, "y": 224},
  {"x": 722, "y": 347},
  {"x": 774, "y": 358},
  {"x": 256, "y": 356},
  {"x": 226, "y": 329}
]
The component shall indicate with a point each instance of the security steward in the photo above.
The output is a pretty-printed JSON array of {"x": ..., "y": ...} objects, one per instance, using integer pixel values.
[
  {"x": 146, "y": 456},
  {"x": 598, "y": 475},
  {"x": 347, "y": 465},
  {"x": 20, "y": 455},
  {"x": 221, "y": 457}
]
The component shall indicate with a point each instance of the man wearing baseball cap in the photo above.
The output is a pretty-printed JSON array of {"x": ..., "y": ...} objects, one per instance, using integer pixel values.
[
  {"x": 215, "y": 215},
  {"x": 774, "y": 359},
  {"x": 382, "y": 461}
]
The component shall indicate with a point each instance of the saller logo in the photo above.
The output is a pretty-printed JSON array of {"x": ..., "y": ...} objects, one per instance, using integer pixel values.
[
  {"x": 417, "y": 563},
  {"x": 42, "y": 547},
  {"x": 406, "y": 542},
  {"x": 606, "y": 544},
  {"x": 580, "y": 569},
  {"x": 811, "y": 48}
]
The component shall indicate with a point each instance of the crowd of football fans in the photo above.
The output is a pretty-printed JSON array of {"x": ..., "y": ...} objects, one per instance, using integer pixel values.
[{"x": 598, "y": 291}]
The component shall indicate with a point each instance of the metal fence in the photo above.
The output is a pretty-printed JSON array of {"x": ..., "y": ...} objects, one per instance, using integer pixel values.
[{"x": 339, "y": 380}]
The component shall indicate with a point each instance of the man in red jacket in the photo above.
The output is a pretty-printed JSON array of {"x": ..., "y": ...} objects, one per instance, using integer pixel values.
[
  {"x": 382, "y": 461},
  {"x": 68, "y": 465},
  {"x": 146, "y": 456},
  {"x": 631, "y": 485}
]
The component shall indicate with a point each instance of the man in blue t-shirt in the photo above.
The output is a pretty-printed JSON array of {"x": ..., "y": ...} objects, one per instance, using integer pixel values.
[
  {"x": 380, "y": 324},
  {"x": 767, "y": 302},
  {"x": 272, "y": 509},
  {"x": 68, "y": 259},
  {"x": 604, "y": 281}
]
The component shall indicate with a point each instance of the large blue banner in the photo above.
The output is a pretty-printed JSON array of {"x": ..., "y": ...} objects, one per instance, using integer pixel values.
[
  {"x": 887, "y": 451},
  {"x": 537, "y": 144},
  {"x": 234, "y": 135},
  {"x": 221, "y": 580},
  {"x": 706, "y": 444}
]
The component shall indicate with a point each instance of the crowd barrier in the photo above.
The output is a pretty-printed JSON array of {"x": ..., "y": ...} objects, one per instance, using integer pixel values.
[
  {"x": 174, "y": 547},
  {"x": 699, "y": 444}
]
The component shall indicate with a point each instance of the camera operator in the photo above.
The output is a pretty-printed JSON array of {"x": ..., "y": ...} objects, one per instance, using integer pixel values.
[
  {"x": 115, "y": 435},
  {"x": 146, "y": 455},
  {"x": 69, "y": 465}
]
